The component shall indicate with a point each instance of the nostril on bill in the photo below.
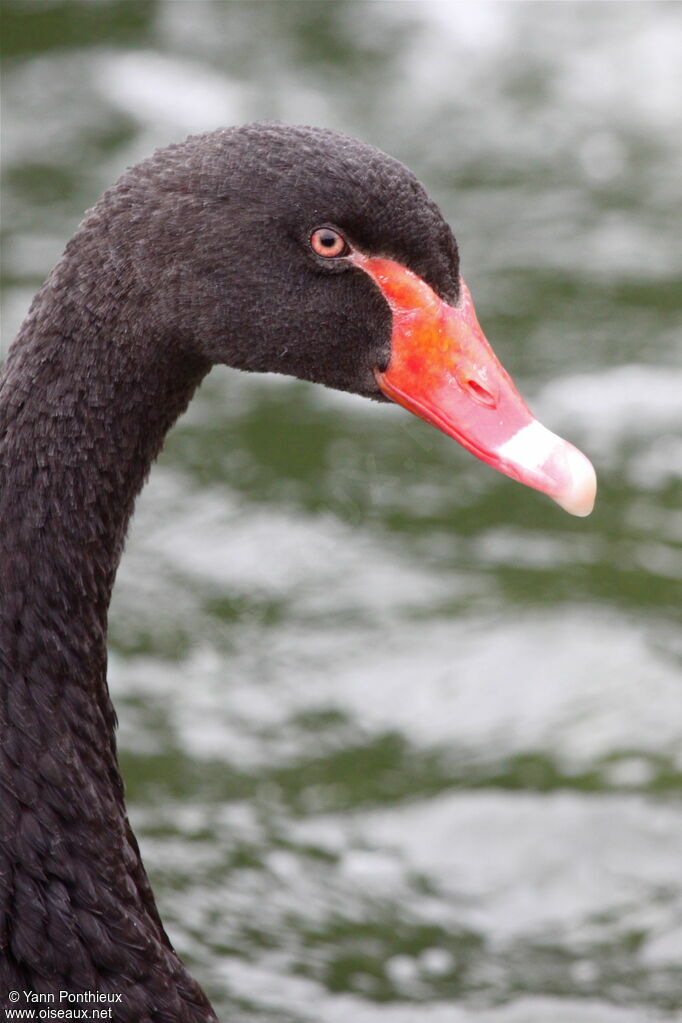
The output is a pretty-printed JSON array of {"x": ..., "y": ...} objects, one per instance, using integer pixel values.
[{"x": 480, "y": 393}]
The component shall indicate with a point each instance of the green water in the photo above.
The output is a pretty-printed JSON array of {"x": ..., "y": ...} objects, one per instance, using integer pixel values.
[{"x": 402, "y": 740}]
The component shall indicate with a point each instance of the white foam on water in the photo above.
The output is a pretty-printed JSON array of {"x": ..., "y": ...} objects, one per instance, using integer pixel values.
[
  {"x": 611, "y": 406},
  {"x": 575, "y": 684},
  {"x": 519, "y": 869},
  {"x": 590, "y": 855},
  {"x": 361, "y": 633},
  {"x": 180, "y": 94},
  {"x": 314, "y": 1004}
]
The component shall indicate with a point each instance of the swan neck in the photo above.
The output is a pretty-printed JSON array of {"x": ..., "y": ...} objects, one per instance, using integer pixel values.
[{"x": 86, "y": 397}]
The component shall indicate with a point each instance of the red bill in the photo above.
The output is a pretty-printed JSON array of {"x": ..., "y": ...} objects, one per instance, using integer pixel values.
[{"x": 443, "y": 369}]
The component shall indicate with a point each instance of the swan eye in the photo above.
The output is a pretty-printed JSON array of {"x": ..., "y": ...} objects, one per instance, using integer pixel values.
[{"x": 328, "y": 243}]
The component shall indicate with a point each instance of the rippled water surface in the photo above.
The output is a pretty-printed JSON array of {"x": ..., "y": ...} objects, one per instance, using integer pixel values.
[{"x": 403, "y": 741}]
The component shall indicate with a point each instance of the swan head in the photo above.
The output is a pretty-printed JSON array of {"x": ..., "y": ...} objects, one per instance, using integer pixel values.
[{"x": 302, "y": 251}]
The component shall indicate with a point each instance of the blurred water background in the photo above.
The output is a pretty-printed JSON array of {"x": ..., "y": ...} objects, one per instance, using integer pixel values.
[{"x": 402, "y": 740}]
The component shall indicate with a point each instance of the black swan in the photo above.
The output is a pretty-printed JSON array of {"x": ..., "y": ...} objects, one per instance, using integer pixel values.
[{"x": 266, "y": 247}]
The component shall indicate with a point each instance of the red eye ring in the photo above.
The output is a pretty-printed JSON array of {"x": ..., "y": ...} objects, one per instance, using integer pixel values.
[{"x": 328, "y": 243}]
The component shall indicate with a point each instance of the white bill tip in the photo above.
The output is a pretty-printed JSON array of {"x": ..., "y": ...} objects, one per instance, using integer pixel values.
[
  {"x": 545, "y": 461},
  {"x": 579, "y": 497}
]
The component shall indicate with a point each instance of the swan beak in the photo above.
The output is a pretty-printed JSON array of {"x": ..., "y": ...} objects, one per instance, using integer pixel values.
[{"x": 442, "y": 369}]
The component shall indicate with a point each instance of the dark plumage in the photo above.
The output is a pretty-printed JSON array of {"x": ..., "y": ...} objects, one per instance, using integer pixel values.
[{"x": 199, "y": 255}]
